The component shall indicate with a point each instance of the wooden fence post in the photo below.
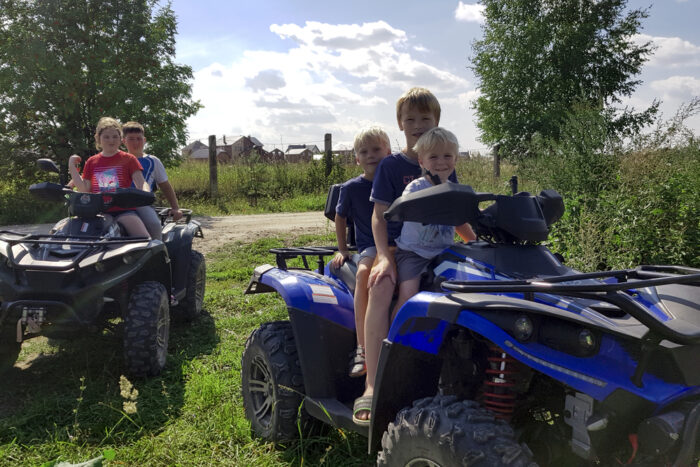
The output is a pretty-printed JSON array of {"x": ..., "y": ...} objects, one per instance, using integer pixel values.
[
  {"x": 328, "y": 154},
  {"x": 496, "y": 161},
  {"x": 213, "y": 175}
]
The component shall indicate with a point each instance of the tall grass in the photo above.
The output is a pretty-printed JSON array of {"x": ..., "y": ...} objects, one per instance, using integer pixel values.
[
  {"x": 289, "y": 187},
  {"x": 248, "y": 188}
]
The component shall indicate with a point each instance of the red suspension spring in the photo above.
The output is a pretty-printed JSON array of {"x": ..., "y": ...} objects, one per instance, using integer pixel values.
[{"x": 498, "y": 391}]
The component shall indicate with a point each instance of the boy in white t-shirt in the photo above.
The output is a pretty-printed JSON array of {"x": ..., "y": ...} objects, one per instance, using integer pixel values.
[
  {"x": 154, "y": 173},
  {"x": 418, "y": 243}
]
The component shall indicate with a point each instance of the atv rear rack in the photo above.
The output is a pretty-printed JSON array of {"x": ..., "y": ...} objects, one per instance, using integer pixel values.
[
  {"x": 283, "y": 254},
  {"x": 645, "y": 276},
  {"x": 94, "y": 243}
]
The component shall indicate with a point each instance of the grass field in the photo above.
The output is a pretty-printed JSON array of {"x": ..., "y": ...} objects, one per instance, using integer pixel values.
[{"x": 66, "y": 403}]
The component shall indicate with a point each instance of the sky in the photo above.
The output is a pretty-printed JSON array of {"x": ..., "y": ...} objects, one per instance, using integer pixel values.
[{"x": 287, "y": 72}]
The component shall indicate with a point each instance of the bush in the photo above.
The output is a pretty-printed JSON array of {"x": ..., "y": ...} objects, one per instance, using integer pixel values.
[{"x": 624, "y": 206}]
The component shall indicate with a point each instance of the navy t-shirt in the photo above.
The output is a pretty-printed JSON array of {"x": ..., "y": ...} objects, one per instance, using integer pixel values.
[
  {"x": 393, "y": 174},
  {"x": 353, "y": 202}
]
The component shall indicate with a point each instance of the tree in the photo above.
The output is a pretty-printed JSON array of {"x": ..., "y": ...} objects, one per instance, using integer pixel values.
[
  {"x": 539, "y": 59},
  {"x": 66, "y": 63}
]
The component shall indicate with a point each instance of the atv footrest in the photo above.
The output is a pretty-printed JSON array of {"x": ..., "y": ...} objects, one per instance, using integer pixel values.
[{"x": 334, "y": 412}]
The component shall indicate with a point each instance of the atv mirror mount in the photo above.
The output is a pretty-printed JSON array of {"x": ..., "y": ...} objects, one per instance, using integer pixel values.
[{"x": 47, "y": 165}]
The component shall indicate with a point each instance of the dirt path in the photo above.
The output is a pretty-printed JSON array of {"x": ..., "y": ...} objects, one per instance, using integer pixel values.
[{"x": 221, "y": 230}]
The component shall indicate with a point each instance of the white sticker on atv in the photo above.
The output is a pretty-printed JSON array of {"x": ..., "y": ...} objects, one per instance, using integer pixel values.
[{"x": 323, "y": 294}]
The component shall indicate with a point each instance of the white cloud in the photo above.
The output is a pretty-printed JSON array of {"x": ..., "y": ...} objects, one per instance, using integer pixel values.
[
  {"x": 671, "y": 52},
  {"x": 470, "y": 12},
  {"x": 677, "y": 87},
  {"x": 340, "y": 36},
  {"x": 334, "y": 79}
]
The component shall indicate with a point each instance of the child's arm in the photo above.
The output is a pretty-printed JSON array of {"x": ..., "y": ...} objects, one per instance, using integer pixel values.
[
  {"x": 341, "y": 227},
  {"x": 384, "y": 266},
  {"x": 465, "y": 232},
  {"x": 80, "y": 184},
  {"x": 169, "y": 193},
  {"x": 139, "y": 181}
]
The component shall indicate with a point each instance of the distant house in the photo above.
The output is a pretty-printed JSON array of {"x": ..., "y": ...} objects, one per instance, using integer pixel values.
[
  {"x": 191, "y": 148},
  {"x": 275, "y": 155},
  {"x": 199, "y": 155},
  {"x": 311, "y": 147},
  {"x": 233, "y": 149},
  {"x": 298, "y": 155}
]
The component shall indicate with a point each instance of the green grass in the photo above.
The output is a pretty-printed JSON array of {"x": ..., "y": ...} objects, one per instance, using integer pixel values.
[{"x": 64, "y": 402}]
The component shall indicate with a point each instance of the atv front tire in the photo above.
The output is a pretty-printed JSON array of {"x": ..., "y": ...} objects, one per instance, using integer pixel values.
[
  {"x": 147, "y": 330},
  {"x": 272, "y": 383},
  {"x": 443, "y": 431},
  {"x": 191, "y": 306}
]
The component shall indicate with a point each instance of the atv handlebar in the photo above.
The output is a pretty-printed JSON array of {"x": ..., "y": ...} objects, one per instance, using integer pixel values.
[{"x": 510, "y": 219}]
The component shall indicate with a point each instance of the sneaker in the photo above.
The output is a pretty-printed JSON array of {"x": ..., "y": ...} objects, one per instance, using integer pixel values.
[{"x": 357, "y": 363}]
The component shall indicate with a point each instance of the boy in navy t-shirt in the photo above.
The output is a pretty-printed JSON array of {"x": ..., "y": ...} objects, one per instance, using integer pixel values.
[
  {"x": 371, "y": 146},
  {"x": 417, "y": 111}
]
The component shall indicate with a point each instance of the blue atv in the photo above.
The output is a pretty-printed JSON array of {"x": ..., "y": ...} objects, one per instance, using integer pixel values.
[{"x": 505, "y": 357}]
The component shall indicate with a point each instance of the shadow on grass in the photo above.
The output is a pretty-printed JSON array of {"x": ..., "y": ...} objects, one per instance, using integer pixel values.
[{"x": 73, "y": 393}]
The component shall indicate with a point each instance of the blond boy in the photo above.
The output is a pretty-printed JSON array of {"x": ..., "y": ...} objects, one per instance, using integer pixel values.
[{"x": 371, "y": 146}]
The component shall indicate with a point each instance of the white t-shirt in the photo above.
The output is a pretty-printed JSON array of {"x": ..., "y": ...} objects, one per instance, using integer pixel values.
[
  {"x": 153, "y": 170},
  {"x": 429, "y": 240}
]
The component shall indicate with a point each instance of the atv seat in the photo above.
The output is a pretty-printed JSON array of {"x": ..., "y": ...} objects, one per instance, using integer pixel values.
[{"x": 347, "y": 272}]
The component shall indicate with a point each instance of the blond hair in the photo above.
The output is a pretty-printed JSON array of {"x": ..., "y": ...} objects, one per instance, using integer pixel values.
[
  {"x": 373, "y": 133},
  {"x": 133, "y": 127},
  {"x": 433, "y": 138},
  {"x": 103, "y": 124},
  {"x": 420, "y": 99}
]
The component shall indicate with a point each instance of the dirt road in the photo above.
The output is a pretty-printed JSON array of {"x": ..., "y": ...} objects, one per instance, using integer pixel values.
[{"x": 221, "y": 230}]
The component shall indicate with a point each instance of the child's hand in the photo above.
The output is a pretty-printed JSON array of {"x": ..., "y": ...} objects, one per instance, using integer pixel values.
[
  {"x": 176, "y": 214},
  {"x": 340, "y": 258},
  {"x": 74, "y": 161},
  {"x": 383, "y": 267}
]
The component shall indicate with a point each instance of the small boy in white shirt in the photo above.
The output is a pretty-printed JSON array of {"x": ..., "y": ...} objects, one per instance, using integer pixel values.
[{"x": 418, "y": 244}]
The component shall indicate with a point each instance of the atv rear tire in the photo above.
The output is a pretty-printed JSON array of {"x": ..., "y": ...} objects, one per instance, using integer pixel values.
[
  {"x": 147, "y": 330},
  {"x": 9, "y": 348},
  {"x": 443, "y": 431},
  {"x": 272, "y": 383},
  {"x": 191, "y": 306}
]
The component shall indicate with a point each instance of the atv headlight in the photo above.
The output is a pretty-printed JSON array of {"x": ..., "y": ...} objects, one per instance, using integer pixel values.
[
  {"x": 523, "y": 328},
  {"x": 587, "y": 340}
]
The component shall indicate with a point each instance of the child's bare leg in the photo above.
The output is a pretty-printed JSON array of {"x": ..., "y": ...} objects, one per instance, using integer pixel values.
[
  {"x": 361, "y": 297},
  {"x": 407, "y": 289},
  {"x": 376, "y": 329},
  {"x": 133, "y": 224}
]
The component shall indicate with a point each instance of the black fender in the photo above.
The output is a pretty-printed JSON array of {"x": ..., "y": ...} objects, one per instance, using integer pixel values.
[{"x": 178, "y": 240}]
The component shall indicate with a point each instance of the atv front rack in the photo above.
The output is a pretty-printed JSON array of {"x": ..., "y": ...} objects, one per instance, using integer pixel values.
[
  {"x": 616, "y": 293},
  {"x": 93, "y": 243},
  {"x": 283, "y": 254}
]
